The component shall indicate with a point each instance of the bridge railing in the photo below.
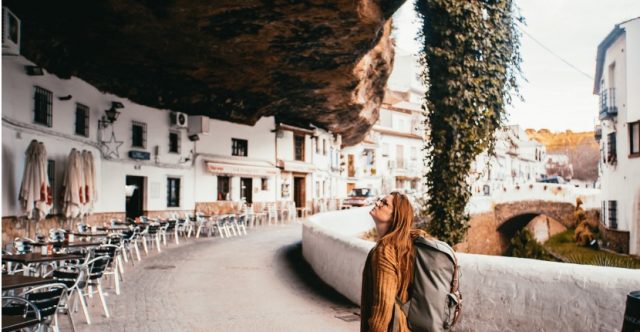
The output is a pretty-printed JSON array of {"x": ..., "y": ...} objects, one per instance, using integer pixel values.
[
  {"x": 500, "y": 293},
  {"x": 562, "y": 193}
]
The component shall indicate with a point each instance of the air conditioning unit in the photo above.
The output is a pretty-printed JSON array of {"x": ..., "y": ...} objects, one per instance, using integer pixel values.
[
  {"x": 10, "y": 33},
  {"x": 179, "y": 119},
  {"x": 198, "y": 124}
]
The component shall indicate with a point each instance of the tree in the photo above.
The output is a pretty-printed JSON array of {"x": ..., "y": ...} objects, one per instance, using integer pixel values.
[{"x": 471, "y": 50}]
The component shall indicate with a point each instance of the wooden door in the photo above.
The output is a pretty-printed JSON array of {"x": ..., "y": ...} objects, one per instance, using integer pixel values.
[{"x": 299, "y": 194}]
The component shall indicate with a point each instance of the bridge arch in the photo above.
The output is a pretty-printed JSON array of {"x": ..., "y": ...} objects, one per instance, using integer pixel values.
[{"x": 511, "y": 217}]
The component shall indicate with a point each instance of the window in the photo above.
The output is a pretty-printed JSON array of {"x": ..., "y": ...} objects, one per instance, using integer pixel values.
[
  {"x": 318, "y": 145},
  {"x": 51, "y": 174},
  {"x": 603, "y": 214},
  {"x": 265, "y": 184},
  {"x": 223, "y": 188},
  {"x": 400, "y": 156},
  {"x": 82, "y": 120},
  {"x": 611, "y": 148},
  {"x": 634, "y": 139},
  {"x": 173, "y": 192},
  {"x": 414, "y": 153},
  {"x": 239, "y": 147},
  {"x": 298, "y": 142},
  {"x": 174, "y": 142},
  {"x": 385, "y": 149},
  {"x": 613, "y": 214},
  {"x": 42, "y": 101},
  {"x": 324, "y": 147},
  {"x": 139, "y": 135}
]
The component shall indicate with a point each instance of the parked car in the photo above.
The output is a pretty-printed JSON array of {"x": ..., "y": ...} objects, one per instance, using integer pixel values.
[
  {"x": 361, "y": 197},
  {"x": 553, "y": 179}
]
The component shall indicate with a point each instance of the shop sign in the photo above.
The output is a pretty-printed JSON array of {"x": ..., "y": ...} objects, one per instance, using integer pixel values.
[{"x": 256, "y": 171}]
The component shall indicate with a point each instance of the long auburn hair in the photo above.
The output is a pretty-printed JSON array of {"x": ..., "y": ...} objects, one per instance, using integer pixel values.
[{"x": 399, "y": 236}]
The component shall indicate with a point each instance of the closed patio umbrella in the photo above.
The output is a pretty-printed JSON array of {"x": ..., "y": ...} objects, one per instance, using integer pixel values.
[
  {"x": 74, "y": 188},
  {"x": 35, "y": 196},
  {"x": 89, "y": 170}
]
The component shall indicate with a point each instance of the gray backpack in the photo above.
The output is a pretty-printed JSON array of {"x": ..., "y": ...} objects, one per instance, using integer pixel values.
[{"x": 435, "y": 301}]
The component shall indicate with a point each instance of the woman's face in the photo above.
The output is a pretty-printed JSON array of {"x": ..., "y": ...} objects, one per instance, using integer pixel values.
[{"x": 382, "y": 213}]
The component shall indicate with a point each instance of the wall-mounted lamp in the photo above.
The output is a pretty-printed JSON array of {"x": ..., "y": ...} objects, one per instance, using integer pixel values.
[
  {"x": 34, "y": 70},
  {"x": 67, "y": 97},
  {"x": 194, "y": 137},
  {"x": 111, "y": 115}
]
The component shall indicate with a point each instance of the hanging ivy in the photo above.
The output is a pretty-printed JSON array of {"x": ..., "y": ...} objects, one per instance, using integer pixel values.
[{"x": 471, "y": 52}]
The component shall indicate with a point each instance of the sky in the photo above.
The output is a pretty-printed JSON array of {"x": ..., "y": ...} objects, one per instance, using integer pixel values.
[{"x": 556, "y": 95}]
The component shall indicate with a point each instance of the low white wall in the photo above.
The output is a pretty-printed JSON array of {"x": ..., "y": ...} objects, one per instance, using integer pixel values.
[{"x": 499, "y": 293}]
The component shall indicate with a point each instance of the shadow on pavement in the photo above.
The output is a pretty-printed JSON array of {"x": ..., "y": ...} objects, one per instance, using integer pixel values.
[{"x": 301, "y": 271}]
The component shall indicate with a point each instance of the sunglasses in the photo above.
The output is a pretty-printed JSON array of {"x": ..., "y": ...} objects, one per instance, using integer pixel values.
[{"x": 382, "y": 201}]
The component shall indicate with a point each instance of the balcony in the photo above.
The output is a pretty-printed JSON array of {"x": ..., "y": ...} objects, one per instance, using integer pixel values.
[
  {"x": 597, "y": 133},
  {"x": 608, "y": 108}
]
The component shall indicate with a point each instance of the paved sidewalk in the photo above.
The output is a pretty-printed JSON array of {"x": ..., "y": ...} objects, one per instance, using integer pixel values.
[{"x": 257, "y": 282}]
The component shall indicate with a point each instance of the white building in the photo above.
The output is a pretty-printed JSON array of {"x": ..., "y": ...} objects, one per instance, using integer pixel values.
[
  {"x": 617, "y": 82},
  {"x": 140, "y": 148},
  {"x": 308, "y": 157},
  {"x": 236, "y": 162},
  {"x": 391, "y": 155},
  {"x": 517, "y": 160}
]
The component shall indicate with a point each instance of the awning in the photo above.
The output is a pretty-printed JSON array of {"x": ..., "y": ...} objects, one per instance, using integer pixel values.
[
  {"x": 296, "y": 166},
  {"x": 240, "y": 169}
]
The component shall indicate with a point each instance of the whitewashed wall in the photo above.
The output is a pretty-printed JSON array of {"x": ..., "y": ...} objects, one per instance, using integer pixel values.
[
  {"x": 621, "y": 181},
  {"x": 499, "y": 293},
  {"x": 217, "y": 144},
  {"x": 19, "y": 130}
]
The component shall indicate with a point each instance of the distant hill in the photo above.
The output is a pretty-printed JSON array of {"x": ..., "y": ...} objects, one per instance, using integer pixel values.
[{"x": 581, "y": 147}]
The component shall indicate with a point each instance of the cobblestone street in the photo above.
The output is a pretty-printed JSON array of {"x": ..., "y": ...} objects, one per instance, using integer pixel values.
[{"x": 258, "y": 282}]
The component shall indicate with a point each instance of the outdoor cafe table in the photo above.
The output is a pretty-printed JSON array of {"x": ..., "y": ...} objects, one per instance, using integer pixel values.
[
  {"x": 21, "y": 281},
  {"x": 97, "y": 234},
  {"x": 75, "y": 244},
  {"x": 35, "y": 257},
  {"x": 113, "y": 228}
]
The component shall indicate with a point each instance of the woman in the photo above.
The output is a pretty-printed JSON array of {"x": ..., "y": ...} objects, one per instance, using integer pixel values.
[{"x": 388, "y": 269}]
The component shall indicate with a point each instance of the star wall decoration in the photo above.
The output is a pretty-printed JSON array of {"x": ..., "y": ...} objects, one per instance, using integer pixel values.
[{"x": 110, "y": 147}]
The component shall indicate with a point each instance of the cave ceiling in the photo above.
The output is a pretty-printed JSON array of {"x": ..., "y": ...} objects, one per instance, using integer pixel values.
[{"x": 320, "y": 62}]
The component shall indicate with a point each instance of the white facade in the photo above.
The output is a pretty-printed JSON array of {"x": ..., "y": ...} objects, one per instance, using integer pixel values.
[
  {"x": 19, "y": 128},
  {"x": 215, "y": 161},
  {"x": 309, "y": 162},
  {"x": 618, "y": 82},
  {"x": 517, "y": 160},
  {"x": 391, "y": 156}
]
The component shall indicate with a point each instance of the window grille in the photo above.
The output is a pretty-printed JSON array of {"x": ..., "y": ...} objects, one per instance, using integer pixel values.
[
  {"x": 82, "y": 120},
  {"x": 138, "y": 134},
  {"x": 174, "y": 142},
  {"x": 611, "y": 148},
  {"x": 239, "y": 147},
  {"x": 613, "y": 214},
  {"x": 173, "y": 192},
  {"x": 43, "y": 104},
  {"x": 299, "y": 147}
]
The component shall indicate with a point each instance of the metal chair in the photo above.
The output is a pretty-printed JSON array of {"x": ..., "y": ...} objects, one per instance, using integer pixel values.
[
  {"x": 74, "y": 277},
  {"x": 48, "y": 299},
  {"x": 21, "y": 312},
  {"x": 94, "y": 270}
]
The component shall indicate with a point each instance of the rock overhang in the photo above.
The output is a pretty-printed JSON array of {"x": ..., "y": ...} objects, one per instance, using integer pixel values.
[{"x": 325, "y": 62}]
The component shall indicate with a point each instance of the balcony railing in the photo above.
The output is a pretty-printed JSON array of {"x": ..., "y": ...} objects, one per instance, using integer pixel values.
[{"x": 608, "y": 108}]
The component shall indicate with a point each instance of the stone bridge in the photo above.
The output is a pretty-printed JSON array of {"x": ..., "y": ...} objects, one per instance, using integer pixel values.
[{"x": 513, "y": 216}]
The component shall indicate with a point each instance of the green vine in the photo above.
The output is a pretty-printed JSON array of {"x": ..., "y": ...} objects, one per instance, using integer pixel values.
[{"x": 471, "y": 52}]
